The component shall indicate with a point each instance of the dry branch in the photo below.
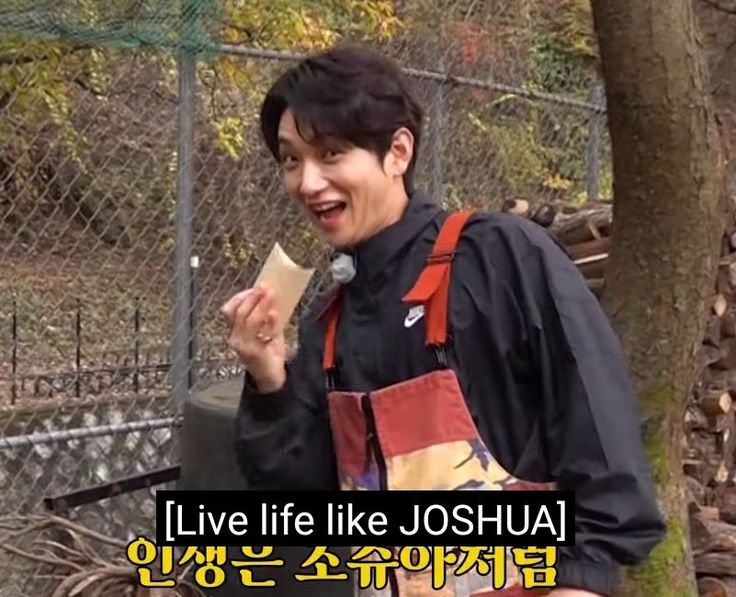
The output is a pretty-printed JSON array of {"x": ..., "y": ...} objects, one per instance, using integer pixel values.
[{"x": 81, "y": 571}]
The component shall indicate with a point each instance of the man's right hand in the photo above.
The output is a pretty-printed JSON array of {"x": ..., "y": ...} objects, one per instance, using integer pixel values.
[{"x": 257, "y": 336}]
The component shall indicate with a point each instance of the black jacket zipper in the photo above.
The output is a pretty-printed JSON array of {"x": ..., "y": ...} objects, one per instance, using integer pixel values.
[
  {"x": 373, "y": 442},
  {"x": 374, "y": 447}
]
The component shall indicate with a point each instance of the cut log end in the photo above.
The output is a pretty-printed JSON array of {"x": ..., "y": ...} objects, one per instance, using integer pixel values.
[
  {"x": 518, "y": 207},
  {"x": 721, "y": 475},
  {"x": 716, "y": 403},
  {"x": 719, "y": 304}
]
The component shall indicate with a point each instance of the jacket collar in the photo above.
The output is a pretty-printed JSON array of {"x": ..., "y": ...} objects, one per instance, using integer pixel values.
[{"x": 373, "y": 255}]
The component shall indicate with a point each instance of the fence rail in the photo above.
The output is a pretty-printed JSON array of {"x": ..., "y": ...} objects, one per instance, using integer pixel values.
[
  {"x": 97, "y": 380},
  {"x": 436, "y": 76},
  {"x": 64, "y": 435},
  {"x": 138, "y": 369}
]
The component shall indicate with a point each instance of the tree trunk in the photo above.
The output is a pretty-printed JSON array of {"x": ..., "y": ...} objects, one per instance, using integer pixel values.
[{"x": 668, "y": 223}]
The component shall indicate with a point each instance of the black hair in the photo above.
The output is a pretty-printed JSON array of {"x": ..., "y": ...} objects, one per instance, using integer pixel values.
[{"x": 346, "y": 93}]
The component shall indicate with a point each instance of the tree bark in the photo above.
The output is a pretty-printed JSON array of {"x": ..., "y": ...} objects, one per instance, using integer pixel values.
[{"x": 669, "y": 188}]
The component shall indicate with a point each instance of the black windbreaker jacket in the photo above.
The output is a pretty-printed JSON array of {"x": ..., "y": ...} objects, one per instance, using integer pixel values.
[{"x": 538, "y": 362}]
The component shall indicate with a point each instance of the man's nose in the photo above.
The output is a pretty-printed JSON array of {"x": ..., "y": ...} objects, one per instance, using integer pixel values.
[{"x": 312, "y": 180}]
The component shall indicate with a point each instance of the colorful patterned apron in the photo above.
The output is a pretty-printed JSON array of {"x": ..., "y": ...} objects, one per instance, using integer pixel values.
[{"x": 419, "y": 434}]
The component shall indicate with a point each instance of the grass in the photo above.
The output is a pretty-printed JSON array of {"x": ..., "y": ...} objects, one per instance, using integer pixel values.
[{"x": 47, "y": 293}]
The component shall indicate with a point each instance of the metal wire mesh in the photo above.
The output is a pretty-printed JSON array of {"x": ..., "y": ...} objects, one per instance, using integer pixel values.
[{"x": 121, "y": 233}]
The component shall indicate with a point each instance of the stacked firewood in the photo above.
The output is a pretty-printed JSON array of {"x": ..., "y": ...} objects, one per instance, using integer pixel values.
[
  {"x": 710, "y": 440},
  {"x": 709, "y": 444},
  {"x": 585, "y": 232}
]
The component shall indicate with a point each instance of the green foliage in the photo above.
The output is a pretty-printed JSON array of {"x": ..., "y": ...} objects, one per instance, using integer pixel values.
[
  {"x": 306, "y": 25},
  {"x": 537, "y": 149},
  {"x": 499, "y": 145},
  {"x": 517, "y": 146},
  {"x": 122, "y": 24},
  {"x": 34, "y": 80},
  {"x": 572, "y": 23},
  {"x": 238, "y": 253},
  {"x": 68, "y": 85},
  {"x": 294, "y": 25},
  {"x": 230, "y": 135},
  {"x": 561, "y": 61},
  {"x": 654, "y": 576},
  {"x": 516, "y": 151},
  {"x": 557, "y": 68}
]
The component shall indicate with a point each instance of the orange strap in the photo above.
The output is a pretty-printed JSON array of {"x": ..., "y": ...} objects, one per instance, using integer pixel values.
[{"x": 432, "y": 288}]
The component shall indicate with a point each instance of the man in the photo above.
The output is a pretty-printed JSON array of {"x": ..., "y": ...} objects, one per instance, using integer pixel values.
[{"x": 462, "y": 339}]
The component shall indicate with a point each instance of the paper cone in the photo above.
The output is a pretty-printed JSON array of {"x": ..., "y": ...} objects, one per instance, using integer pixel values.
[{"x": 287, "y": 279}]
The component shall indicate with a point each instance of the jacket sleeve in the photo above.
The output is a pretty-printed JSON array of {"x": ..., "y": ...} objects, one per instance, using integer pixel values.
[
  {"x": 592, "y": 427},
  {"x": 283, "y": 438}
]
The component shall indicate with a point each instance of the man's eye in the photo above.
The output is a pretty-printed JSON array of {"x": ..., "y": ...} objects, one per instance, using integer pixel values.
[
  {"x": 288, "y": 160},
  {"x": 332, "y": 153}
]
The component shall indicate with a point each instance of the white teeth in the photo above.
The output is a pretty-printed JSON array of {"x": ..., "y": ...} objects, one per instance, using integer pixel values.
[{"x": 326, "y": 206}]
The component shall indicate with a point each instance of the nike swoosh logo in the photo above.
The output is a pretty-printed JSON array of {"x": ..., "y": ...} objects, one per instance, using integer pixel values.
[{"x": 414, "y": 315}]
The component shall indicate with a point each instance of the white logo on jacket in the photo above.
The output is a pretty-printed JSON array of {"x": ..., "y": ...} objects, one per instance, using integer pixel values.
[{"x": 414, "y": 315}]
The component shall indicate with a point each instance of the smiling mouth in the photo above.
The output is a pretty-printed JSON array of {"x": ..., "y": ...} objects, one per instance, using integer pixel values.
[{"x": 328, "y": 210}]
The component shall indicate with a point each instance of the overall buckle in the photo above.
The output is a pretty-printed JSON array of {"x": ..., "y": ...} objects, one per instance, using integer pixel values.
[{"x": 440, "y": 257}]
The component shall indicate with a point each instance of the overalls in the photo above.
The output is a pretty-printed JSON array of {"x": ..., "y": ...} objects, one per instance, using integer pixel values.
[{"x": 419, "y": 434}]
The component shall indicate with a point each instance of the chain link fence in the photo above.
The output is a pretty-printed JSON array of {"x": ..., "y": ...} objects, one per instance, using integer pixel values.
[{"x": 136, "y": 197}]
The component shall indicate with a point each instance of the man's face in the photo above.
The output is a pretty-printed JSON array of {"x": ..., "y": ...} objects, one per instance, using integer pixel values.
[{"x": 346, "y": 191}]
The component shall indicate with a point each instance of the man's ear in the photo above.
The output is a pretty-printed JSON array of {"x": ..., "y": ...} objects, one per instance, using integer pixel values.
[{"x": 400, "y": 152}]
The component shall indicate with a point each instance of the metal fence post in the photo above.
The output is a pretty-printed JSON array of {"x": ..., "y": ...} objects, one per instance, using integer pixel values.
[
  {"x": 194, "y": 321},
  {"x": 78, "y": 351},
  {"x": 14, "y": 358},
  {"x": 137, "y": 344},
  {"x": 592, "y": 152},
  {"x": 180, "y": 363}
]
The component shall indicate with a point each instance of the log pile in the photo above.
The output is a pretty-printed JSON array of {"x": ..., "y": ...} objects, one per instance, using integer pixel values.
[
  {"x": 709, "y": 458},
  {"x": 709, "y": 444},
  {"x": 585, "y": 232}
]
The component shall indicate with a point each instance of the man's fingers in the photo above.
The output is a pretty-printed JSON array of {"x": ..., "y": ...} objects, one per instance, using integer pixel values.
[
  {"x": 229, "y": 308},
  {"x": 252, "y": 319},
  {"x": 268, "y": 324},
  {"x": 232, "y": 305},
  {"x": 251, "y": 314},
  {"x": 248, "y": 298}
]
